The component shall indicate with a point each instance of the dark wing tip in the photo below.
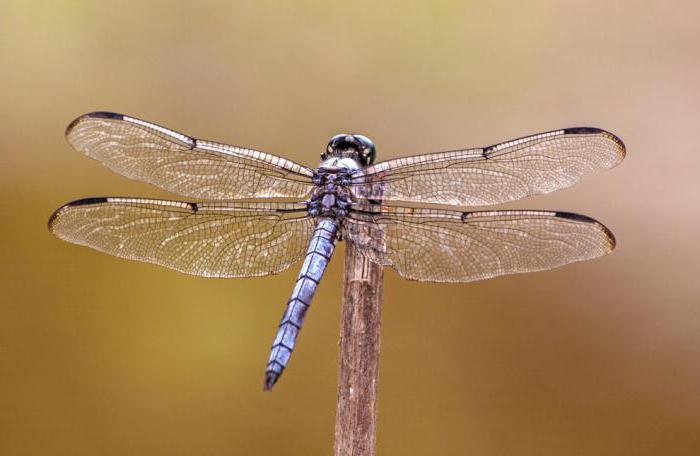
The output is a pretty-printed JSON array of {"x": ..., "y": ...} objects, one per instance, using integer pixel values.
[
  {"x": 85, "y": 201},
  {"x": 104, "y": 115},
  {"x": 94, "y": 115},
  {"x": 575, "y": 216},
  {"x": 585, "y": 219},
  {"x": 622, "y": 150},
  {"x": 80, "y": 202},
  {"x": 583, "y": 130},
  {"x": 270, "y": 380}
]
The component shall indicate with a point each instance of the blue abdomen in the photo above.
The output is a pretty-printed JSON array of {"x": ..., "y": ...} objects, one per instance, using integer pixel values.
[{"x": 317, "y": 257}]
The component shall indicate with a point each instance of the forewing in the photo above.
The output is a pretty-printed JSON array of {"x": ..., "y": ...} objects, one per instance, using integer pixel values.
[
  {"x": 205, "y": 239},
  {"x": 448, "y": 246},
  {"x": 192, "y": 167},
  {"x": 496, "y": 174}
]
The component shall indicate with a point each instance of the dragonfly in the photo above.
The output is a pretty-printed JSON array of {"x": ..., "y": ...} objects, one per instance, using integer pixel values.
[{"x": 257, "y": 214}]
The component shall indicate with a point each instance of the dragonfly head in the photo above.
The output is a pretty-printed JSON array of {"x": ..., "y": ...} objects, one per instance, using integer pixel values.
[{"x": 357, "y": 147}]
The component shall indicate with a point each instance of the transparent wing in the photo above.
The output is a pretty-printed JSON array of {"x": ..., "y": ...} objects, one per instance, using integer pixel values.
[
  {"x": 504, "y": 172},
  {"x": 191, "y": 167},
  {"x": 205, "y": 239},
  {"x": 448, "y": 246}
]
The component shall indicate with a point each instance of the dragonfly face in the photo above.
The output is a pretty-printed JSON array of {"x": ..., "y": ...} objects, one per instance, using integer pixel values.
[
  {"x": 357, "y": 147},
  {"x": 348, "y": 197}
]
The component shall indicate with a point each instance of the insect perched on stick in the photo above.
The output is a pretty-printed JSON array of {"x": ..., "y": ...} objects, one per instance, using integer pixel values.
[{"x": 347, "y": 197}]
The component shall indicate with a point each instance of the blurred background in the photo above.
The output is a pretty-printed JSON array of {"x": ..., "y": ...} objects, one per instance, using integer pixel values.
[{"x": 104, "y": 356}]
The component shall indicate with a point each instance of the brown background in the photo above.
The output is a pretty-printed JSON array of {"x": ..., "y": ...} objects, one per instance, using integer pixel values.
[{"x": 104, "y": 356}]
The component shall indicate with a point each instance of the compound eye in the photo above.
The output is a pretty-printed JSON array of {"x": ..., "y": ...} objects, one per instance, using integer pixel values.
[
  {"x": 368, "y": 150},
  {"x": 365, "y": 141},
  {"x": 332, "y": 146},
  {"x": 343, "y": 142}
]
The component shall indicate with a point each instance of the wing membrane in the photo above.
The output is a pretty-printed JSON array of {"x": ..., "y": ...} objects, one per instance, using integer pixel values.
[
  {"x": 205, "y": 239},
  {"x": 448, "y": 246},
  {"x": 181, "y": 164},
  {"x": 496, "y": 174}
]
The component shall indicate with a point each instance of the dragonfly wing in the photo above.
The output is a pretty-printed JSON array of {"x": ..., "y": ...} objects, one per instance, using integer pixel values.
[
  {"x": 191, "y": 167},
  {"x": 205, "y": 239},
  {"x": 496, "y": 174},
  {"x": 435, "y": 245}
]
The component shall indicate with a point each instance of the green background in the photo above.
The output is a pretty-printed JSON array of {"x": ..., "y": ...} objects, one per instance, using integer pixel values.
[{"x": 105, "y": 356}]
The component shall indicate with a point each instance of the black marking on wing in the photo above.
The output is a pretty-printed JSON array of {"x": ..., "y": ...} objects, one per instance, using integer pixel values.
[
  {"x": 194, "y": 207},
  {"x": 583, "y": 130},
  {"x": 575, "y": 216},
  {"x": 594, "y": 131},
  {"x": 585, "y": 219},
  {"x": 80, "y": 202},
  {"x": 84, "y": 201},
  {"x": 94, "y": 115}
]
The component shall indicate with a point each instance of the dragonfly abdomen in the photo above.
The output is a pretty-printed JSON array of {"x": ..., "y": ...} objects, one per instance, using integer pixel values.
[{"x": 318, "y": 255}]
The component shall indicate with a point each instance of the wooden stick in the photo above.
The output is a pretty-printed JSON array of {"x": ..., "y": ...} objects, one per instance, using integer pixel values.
[{"x": 356, "y": 419}]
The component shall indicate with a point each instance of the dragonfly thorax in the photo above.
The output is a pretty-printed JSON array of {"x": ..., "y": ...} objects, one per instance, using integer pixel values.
[
  {"x": 331, "y": 197},
  {"x": 357, "y": 147}
]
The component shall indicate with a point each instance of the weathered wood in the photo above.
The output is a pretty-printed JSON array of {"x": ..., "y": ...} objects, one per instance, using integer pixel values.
[{"x": 356, "y": 419}]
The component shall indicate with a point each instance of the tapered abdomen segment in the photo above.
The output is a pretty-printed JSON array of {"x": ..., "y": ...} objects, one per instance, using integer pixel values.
[{"x": 317, "y": 257}]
